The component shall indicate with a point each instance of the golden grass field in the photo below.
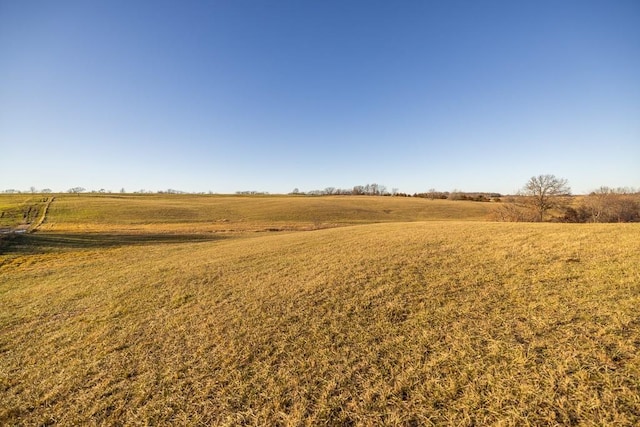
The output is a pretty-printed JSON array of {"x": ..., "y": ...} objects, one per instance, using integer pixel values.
[{"x": 192, "y": 310}]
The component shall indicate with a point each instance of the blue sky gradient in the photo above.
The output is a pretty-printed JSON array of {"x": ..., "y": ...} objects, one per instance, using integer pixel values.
[{"x": 253, "y": 95}]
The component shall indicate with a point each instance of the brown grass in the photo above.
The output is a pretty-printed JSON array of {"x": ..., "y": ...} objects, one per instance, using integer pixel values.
[
  {"x": 424, "y": 323},
  {"x": 200, "y": 214}
]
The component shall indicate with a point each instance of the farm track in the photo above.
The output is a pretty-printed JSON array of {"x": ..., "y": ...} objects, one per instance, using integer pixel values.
[
  {"x": 30, "y": 227},
  {"x": 43, "y": 216}
]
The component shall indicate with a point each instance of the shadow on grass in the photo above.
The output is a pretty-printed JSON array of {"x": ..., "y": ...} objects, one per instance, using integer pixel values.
[{"x": 55, "y": 242}]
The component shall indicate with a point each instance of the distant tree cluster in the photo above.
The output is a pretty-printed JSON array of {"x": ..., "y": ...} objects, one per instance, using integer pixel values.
[
  {"x": 381, "y": 190},
  {"x": 172, "y": 191},
  {"x": 433, "y": 194},
  {"x": 358, "y": 190},
  {"x": 32, "y": 190},
  {"x": 606, "y": 205},
  {"x": 252, "y": 193}
]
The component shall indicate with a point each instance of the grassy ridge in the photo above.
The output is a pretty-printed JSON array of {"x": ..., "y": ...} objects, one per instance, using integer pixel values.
[
  {"x": 187, "y": 213},
  {"x": 454, "y": 323}
]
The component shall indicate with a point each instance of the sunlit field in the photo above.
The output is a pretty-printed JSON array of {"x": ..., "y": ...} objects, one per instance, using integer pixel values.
[
  {"x": 246, "y": 213},
  {"x": 212, "y": 310}
]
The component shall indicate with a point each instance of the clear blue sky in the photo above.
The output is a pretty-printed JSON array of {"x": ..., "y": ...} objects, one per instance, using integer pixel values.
[{"x": 272, "y": 95}]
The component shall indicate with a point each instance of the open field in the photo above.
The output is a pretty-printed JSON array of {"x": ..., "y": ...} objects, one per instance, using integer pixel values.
[
  {"x": 168, "y": 310},
  {"x": 186, "y": 213}
]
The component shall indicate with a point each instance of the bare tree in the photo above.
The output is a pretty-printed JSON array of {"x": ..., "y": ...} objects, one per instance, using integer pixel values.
[
  {"x": 544, "y": 192},
  {"x": 455, "y": 194}
]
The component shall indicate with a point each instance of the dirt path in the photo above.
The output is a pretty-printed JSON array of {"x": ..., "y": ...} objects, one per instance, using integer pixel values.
[
  {"x": 29, "y": 227},
  {"x": 33, "y": 228}
]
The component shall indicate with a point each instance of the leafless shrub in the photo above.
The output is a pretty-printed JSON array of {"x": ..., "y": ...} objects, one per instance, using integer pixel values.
[
  {"x": 610, "y": 205},
  {"x": 514, "y": 210}
]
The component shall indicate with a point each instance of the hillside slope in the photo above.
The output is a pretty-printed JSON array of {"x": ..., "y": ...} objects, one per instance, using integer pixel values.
[
  {"x": 204, "y": 213},
  {"x": 455, "y": 323}
]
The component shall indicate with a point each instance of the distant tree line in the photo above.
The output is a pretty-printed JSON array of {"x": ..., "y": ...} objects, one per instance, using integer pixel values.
[
  {"x": 433, "y": 194},
  {"x": 78, "y": 190},
  {"x": 252, "y": 193},
  {"x": 372, "y": 189},
  {"x": 381, "y": 190},
  {"x": 358, "y": 190},
  {"x": 32, "y": 190}
]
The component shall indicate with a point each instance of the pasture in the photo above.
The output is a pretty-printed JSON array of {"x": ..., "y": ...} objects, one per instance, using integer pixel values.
[{"x": 276, "y": 310}]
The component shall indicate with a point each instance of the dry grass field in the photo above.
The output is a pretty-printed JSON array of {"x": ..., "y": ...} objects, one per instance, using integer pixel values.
[
  {"x": 200, "y": 214},
  {"x": 172, "y": 310}
]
